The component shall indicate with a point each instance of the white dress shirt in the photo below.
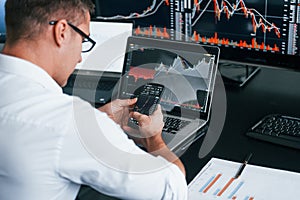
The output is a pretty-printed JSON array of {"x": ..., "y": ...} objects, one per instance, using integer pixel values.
[{"x": 51, "y": 143}]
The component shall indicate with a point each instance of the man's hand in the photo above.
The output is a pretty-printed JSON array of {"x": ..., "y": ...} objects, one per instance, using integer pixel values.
[
  {"x": 150, "y": 125},
  {"x": 149, "y": 135},
  {"x": 150, "y": 128},
  {"x": 118, "y": 110}
]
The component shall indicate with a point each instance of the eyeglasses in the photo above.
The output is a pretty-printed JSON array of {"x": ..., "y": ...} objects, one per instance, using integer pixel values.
[{"x": 87, "y": 42}]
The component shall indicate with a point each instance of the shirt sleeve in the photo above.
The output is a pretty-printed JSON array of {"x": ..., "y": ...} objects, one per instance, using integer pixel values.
[{"x": 96, "y": 152}]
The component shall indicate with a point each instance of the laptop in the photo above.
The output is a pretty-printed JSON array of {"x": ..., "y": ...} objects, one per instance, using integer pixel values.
[
  {"x": 95, "y": 77},
  {"x": 108, "y": 53},
  {"x": 186, "y": 70}
]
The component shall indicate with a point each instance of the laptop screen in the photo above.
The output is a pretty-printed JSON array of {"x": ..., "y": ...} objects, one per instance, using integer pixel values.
[
  {"x": 185, "y": 69},
  {"x": 108, "y": 53}
]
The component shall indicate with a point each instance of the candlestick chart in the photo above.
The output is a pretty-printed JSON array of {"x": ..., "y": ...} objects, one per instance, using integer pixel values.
[
  {"x": 261, "y": 25},
  {"x": 265, "y": 25}
]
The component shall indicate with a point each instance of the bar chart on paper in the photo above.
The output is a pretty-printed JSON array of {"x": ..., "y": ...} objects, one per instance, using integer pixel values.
[{"x": 216, "y": 181}]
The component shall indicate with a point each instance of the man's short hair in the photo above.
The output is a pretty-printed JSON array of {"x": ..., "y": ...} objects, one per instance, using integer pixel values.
[{"x": 27, "y": 19}]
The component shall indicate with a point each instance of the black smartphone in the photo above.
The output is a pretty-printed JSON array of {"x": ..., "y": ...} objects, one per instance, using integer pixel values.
[{"x": 148, "y": 96}]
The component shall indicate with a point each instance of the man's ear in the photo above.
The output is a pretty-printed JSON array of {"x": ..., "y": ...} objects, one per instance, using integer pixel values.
[{"x": 60, "y": 30}]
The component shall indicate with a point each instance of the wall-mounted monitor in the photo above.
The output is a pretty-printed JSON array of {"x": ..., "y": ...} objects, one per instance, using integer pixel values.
[{"x": 247, "y": 31}]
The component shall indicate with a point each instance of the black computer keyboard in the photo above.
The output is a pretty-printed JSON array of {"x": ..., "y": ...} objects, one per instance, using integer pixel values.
[{"x": 278, "y": 129}]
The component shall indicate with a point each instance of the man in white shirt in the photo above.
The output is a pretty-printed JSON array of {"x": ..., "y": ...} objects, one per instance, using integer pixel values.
[{"x": 52, "y": 143}]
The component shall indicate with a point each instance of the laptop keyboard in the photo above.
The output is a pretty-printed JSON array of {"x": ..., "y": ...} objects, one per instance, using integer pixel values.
[
  {"x": 173, "y": 125},
  {"x": 106, "y": 85},
  {"x": 86, "y": 84},
  {"x": 279, "y": 129}
]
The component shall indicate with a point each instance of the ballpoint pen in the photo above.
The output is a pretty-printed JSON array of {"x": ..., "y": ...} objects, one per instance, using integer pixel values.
[{"x": 242, "y": 167}]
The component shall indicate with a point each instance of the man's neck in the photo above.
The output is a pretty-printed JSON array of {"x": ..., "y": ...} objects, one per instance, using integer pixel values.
[{"x": 32, "y": 52}]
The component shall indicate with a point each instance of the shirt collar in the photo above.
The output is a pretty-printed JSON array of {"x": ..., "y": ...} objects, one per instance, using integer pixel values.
[{"x": 24, "y": 68}]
